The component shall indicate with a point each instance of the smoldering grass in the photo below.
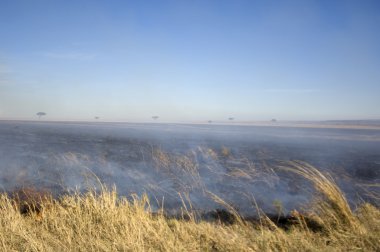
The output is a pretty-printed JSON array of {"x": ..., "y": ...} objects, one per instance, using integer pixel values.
[{"x": 101, "y": 220}]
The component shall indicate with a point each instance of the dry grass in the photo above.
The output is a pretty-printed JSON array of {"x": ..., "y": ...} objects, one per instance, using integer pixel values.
[{"x": 106, "y": 222}]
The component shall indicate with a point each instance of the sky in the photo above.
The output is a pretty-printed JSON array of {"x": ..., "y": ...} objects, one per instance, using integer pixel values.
[{"x": 190, "y": 60}]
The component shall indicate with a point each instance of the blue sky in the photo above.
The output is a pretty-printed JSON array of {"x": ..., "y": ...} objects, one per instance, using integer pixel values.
[{"x": 190, "y": 60}]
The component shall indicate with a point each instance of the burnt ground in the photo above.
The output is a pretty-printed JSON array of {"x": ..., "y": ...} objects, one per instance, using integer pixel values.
[{"x": 188, "y": 164}]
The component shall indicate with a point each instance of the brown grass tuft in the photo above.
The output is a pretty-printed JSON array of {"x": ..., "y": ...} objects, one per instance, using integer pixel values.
[{"x": 30, "y": 199}]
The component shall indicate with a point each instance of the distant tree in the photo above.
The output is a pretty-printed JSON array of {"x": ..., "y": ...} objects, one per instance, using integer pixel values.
[
  {"x": 96, "y": 117},
  {"x": 231, "y": 118},
  {"x": 39, "y": 114},
  {"x": 155, "y": 117},
  {"x": 274, "y": 120},
  {"x": 209, "y": 121}
]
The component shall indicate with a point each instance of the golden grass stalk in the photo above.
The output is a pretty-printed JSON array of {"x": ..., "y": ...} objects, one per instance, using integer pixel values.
[{"x": 330, "y": 205}]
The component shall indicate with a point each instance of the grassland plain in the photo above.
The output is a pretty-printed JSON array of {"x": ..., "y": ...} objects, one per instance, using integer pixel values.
[{"x": 34, "y": 221}]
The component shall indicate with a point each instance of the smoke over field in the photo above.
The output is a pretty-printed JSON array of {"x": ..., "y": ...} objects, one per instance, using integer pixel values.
[{"x": 191, "y": 165}]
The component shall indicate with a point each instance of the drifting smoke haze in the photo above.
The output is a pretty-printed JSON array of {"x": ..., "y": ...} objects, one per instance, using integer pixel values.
[{"x": 173, "y": 162}]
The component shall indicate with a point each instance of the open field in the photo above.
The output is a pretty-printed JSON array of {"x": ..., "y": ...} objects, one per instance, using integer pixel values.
[
  {"x": 187, "y": 187},
  {"x": 332, "y": 124}
]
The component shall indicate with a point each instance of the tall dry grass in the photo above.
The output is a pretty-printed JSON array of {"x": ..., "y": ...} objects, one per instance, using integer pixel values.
[{"x": 105, "y": 222}]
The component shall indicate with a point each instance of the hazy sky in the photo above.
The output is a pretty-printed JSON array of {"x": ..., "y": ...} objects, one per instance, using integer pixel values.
[{"x": 190, "y": 60}]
